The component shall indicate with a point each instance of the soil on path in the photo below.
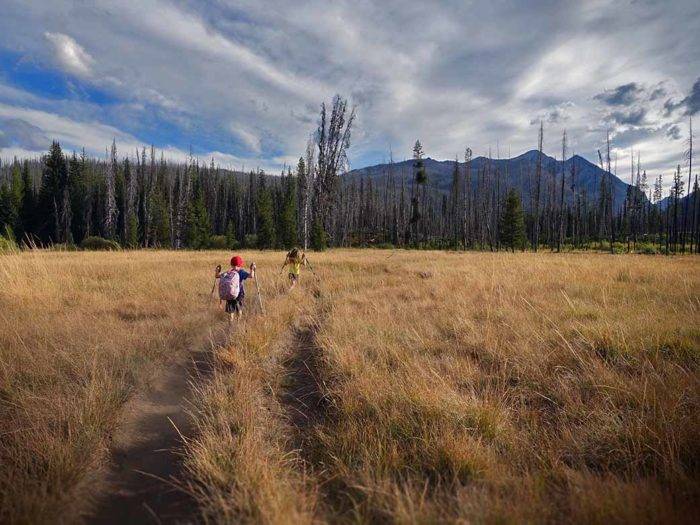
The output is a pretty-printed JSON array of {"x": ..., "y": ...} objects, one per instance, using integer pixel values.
[
  {"x": 144, "y": 481},
  {"x": 302, "y": 396}
]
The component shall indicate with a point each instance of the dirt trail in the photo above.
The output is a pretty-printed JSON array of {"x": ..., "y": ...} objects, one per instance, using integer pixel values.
[
  {"x": 302, "y": 396},
  {"x": 146, "y": 466}
]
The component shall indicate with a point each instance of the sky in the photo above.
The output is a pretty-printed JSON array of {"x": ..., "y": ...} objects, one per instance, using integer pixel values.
[{"x": 242, "y": 81}]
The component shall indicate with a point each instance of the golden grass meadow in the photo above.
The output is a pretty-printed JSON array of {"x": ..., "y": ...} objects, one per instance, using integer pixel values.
[{"x": 397, "y": 387}]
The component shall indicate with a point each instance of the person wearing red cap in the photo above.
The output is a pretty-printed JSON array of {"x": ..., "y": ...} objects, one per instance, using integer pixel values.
[{"x": 235, "y": 305}]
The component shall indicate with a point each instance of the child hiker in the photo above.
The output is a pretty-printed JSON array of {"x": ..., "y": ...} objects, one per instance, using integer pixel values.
[
  {"x": 231, "y": 286},
  {"x": 295, "y": 259}
]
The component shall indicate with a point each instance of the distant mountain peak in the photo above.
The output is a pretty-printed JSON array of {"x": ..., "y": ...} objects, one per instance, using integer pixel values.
[
  {"x": 517, "y": 172},
  {"x": 529, "y": 155}
]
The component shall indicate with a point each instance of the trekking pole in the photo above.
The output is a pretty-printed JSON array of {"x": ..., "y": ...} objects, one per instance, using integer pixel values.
[
  {"x": 312, "y": 269},
  {"x": 218, "y": 271},
  {"x": 213, "y": 286},
  {"x": 257, "y": 289}
]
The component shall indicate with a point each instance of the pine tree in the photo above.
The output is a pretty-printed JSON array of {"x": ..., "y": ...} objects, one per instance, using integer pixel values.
[
  {"x": 160, "y": 221},
  {"x": 8, "y": 212},
  {"x": 231, "y": 241},
  {"x": 79, "y": 197},
  {"x": 53, "y": 182},
  {"x": 288, "y": 221},
  {"x": 265, "y": 215},
  {"x": 318, "y": 236},
  {"x": 420, "y": 179},
  {"x": 17, "y": 190},
  {"x": 132, "y": 236},
  {"x": 197, "y": 225},
  {"x": 512, "y": 227},
  {"x": 11, "y": 202},
  {"x": 27, "y": 207}
]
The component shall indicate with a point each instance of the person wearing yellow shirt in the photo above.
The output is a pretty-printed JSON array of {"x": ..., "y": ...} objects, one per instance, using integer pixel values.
[{"x": 295, "y": 260}]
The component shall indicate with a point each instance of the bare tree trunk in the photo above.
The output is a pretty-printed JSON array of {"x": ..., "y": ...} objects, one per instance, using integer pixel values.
[{"x": 538, "y": 175}]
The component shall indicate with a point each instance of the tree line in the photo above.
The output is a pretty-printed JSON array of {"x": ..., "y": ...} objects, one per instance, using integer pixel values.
[{"x": 142, "y": 200}]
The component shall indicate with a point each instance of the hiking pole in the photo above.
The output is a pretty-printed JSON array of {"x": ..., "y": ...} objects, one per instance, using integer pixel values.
[
  {"x": 218, "y": 272},
  {"x": 312, "y": 270},
  {"x": 257, "y": 289}
]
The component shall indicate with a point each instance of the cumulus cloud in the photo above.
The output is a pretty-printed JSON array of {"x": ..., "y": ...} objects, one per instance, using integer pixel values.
[
  {"x": 674, "y": 132},
  {"x": 555, "y": 115},
  {"x": 470, "y": 74},
  {"x": 692, "y": 101},
  {"x": 70, "y": 55},
  {"x": 622, "y": 95},
  {"x": 247, "y": 137},
  {"x": 28, "y": 133},
  {"x": 690, "y": 104},
  {"x": 633, "y": 117}
]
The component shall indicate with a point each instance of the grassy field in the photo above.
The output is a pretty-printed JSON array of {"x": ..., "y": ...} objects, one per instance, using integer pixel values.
[{"x": 399, "y": 387}]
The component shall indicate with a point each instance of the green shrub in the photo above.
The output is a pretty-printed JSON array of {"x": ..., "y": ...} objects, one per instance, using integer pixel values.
[
  {"x": 98, "y": 243},
  {"x": 647, "y": 248},
  {"x": 250, "y": 241},
  {"x": 218, "y": 242}
]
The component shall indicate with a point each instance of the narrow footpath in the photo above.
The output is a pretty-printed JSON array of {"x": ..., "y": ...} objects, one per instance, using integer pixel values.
[{"x": 144, "y": 481}]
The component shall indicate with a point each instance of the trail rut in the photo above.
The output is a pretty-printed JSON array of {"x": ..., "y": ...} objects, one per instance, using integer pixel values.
[
  {"x": 144, "y": 480},
  {"x": 302, "y": 396}
]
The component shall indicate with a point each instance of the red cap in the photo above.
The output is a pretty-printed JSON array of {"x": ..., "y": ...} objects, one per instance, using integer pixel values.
[{"x": 236, "y": 260}]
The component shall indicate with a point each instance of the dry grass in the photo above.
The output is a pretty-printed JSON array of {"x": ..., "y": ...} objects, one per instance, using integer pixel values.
[
  {"x": 450, "y": 387},
  {"x": 79, "y": 332},
  {"x": 465, "y": 387}
]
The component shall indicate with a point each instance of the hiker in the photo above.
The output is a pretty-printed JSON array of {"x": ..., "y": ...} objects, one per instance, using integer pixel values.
[
  {"x": 231, "y": 286},
  {"x": 295, "y": 259}
]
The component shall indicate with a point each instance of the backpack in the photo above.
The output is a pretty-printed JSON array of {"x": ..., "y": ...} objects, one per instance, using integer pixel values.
[{"x": 229, "y": 285}]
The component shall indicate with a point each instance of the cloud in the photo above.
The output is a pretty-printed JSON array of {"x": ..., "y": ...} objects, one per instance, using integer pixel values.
[
  {"x": 555, "y": 115},
  {"x": 70, "y": 55},
  {"x": 179, "y": 72},
  {"x": 247, "y": 137},
  {"x": 674, "y": 132},
  {"x": 658, "y": 92},
  {"x": 692, "y": 101},
  {"x": 623, "y": 95},
  {"x": 632, "y": 117},
  {"x": 28, "y": 133}
]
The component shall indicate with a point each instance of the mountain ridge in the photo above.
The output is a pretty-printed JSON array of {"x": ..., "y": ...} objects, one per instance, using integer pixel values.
[{"x": 518, "y": 172}]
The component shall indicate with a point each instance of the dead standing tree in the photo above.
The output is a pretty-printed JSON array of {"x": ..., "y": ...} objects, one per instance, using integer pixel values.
[
  {"x": 538, "y": 182},
  {"x": 332, "y": 141},
  {"x": 562, "y": 211},
  {"x": 689, "y": 157}
]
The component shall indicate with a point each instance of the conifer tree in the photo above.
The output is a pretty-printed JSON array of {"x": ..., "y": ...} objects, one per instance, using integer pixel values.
[
  {"x": 79, "y": 197},
  {"x": 318, "y": 236},
  {"x": 197, "y": 226},
  {"x": 419, "y": 179},
  {"x": 8, "y": 212},
  {"x": 512, "y": 227},
  {"x": 132, "y": 231},
  {"x": 16, "y": 190},
  {"x": 289, "y": 214},
  {"x": 231, "y": 241},
  {"x": 54, "y": 179},
  {"x": 160, "y": 221},
  {"x": 27, "y": 207},
  {"x": 266, "y": 221}
]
